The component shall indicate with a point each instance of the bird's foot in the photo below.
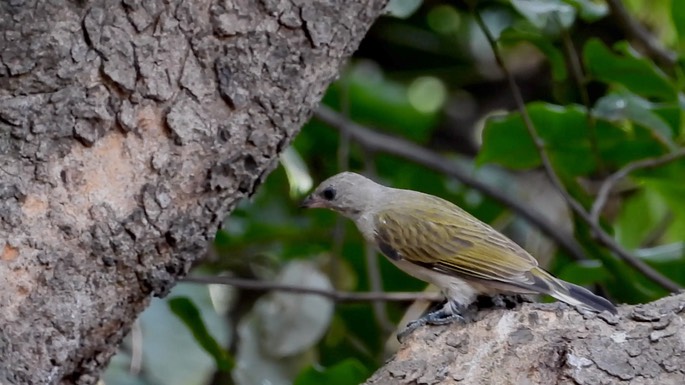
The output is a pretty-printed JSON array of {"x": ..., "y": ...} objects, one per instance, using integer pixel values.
[{"x": 447, "y": 314}]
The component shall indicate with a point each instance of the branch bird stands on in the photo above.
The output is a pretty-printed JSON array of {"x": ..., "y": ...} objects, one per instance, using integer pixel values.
[{"x": 438, "y": 242}]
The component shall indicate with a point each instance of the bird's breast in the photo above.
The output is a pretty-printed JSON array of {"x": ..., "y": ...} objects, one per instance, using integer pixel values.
[{"x": 366, "y": 226}]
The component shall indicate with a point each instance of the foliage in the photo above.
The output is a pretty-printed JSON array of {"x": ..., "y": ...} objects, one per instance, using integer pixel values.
[
  {"x": 428, "y": 76},
  {"x": 184, "y": 309}
]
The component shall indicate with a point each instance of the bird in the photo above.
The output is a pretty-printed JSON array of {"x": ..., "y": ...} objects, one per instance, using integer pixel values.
[{"x": 437, "y": 242}]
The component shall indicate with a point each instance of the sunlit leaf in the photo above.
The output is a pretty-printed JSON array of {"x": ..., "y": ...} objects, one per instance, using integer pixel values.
[
  {"x": 402, "y": 8},
  {"x": 298, "y": 174},
  {"x": 444, "y": 19},
  {"x": 590, "y": 10},
  {"x": 427, "y": 94},
  {"x": 628, "y": 106},
  {"x": 549, "y": 16},
  {"x": 663, "y": 253}
]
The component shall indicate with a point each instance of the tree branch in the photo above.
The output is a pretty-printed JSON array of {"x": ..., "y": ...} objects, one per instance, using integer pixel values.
[
  {"x": 638, "y": 32},
  {"x": 377, "y": 141},
  {"x": 613, "y": 179},
  {"x": 580, "y": 79},
  {"x": 602, "y": 236},
  {"x": 373, "y": 268},
  {"x": 338, "y": 296},
  {"x": 546, "y": 344}
]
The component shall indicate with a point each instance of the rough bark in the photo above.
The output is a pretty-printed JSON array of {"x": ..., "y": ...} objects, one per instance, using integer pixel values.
[
  {"x": 128, "y": 130},
  {"x": 548, "y": 344}
]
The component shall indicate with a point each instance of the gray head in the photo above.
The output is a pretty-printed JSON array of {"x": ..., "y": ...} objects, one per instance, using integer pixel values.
[{"x": 347, "y": 193}]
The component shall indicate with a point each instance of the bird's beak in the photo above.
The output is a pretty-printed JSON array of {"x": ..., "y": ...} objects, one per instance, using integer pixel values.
[{"x": 311, "y": 202}]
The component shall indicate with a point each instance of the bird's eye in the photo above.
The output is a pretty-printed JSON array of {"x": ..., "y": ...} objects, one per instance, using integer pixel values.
[{"x": 328, "y": 194}]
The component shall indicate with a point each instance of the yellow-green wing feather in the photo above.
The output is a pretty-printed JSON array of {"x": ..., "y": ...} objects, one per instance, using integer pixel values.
[
  {"x": 434, "y": 233},
  {"x": 438, "y": 235}
]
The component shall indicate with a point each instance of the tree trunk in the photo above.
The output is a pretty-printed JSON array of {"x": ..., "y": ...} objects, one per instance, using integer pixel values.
[
  {"x": 129, "y": 129},
  {"x": 548, "y": 344}
]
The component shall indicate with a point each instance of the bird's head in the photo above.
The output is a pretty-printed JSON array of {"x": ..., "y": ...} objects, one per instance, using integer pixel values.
[{"x": 347, "y": 193}]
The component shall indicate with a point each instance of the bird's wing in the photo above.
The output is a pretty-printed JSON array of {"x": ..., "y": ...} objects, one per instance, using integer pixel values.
[{"x": 438, "y": 235}]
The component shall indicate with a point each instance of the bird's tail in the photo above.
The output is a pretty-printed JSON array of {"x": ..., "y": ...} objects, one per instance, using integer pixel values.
[{"x": 571, "y": 294}]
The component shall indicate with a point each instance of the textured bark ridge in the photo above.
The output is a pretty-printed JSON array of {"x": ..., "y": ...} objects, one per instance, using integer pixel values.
[
  {"x": 548, "y": 344},
  {"x": 128, "y": 130}
]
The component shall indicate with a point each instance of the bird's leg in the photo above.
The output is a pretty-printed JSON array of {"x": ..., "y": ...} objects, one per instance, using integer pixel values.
[{"x": 450, "y": 312}]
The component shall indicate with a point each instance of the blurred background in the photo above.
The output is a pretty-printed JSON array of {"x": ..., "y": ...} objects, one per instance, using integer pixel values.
[{"x": 424, "y": 105}]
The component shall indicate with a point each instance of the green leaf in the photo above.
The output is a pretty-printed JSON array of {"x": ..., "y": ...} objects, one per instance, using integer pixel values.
[
  {"x": 549, "y": 16},
  {"x": 585, "y": 272},
  {"x": 402, "y": 9},
  {"x": 566, "y": 135},
  {"x": 589, "y": 10},
  {"x": 523, "y": 32},
  {"x": 298, "y": 174},
  {"x": 444, "y": 19},
  {"x": 637, "y": 74},
  {"x": 663, "y": 253},
  {"x": 646, "y": 205},
  {"x": 671, "y": 113},
  {"x": 377, "y": 101},
  {"x": 659, "y": 205},
  {"x": 189, "y": 314},
  {"x": 222, "y": 240},
  {"x": 671, "y": 191},
  {"x": 622, "y": 106},
  {"x": 427, "y": 94},
  {"x": 625, "y": 284},
  {"x": 347, "y": 372},
  {"x": 678, "y": 16}
]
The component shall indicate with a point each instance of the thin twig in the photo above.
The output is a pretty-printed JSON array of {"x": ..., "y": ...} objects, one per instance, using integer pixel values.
[
  {"x": 579, "y": 78},
  {"x": 601, "y": 235},
  {"x": 335, "y": 295},
  {"x": 408, "y": 150},
  {"x": 344, "y": 145},
  {"x": 638, "y": 32},
  {"x": 658, "y": 231},
  {"x": 373, "y": 269},
  {"x": 136, "y": 349},
  {"x": 339, "y": 232},
  {"x": 610, "y": 182},
  {"x": 376, "y": 285}
]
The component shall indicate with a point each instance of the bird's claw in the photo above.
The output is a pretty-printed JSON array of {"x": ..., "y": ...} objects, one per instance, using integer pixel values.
[{"x": 439, "y": 317}]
